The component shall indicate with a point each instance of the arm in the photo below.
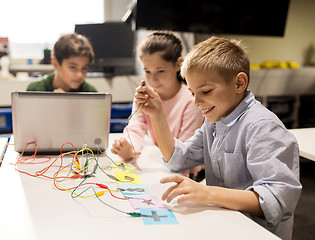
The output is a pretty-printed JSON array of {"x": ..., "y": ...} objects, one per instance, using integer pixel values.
[
  {"x": 151, "y": 104},
  {"x": 241, "y": 200},
  {"x": 131, "y": 143},
  {"x": 187, "y": 117},
  {"x": 163, "y": 134}
]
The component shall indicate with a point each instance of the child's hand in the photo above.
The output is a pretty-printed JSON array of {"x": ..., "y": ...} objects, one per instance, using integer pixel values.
[
  {"x": 59, "y": 90},
  {"x": 191, "y": 190},
  {"x": 194, "y": 171},
  {"x": 123, "y": 149},
  {"x": 149, "y": 100}
]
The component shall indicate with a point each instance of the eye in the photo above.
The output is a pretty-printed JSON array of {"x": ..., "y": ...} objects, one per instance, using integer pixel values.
[
  {"x": 206, "y": 92},
  {"x": 85, "y": 69},
  {"x": 73, "y": 68},
  {"x": 147, "y": 72},
  {"x": 161, "y": 71}
]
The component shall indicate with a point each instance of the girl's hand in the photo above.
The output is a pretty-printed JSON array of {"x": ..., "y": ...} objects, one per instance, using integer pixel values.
[
  {"x": 190, "y": 190},
  {"x": 148, "y": 100},
  {"x": 124, "y": 149}
]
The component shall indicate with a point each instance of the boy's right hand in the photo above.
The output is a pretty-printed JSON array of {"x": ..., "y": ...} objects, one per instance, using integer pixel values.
[
  {"x": 149, "y": 100},
  {"x": 124, "y": 149}
]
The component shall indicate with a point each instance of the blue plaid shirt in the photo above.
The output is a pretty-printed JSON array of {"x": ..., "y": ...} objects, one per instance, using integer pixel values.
[{"x": 250, "y": 149}]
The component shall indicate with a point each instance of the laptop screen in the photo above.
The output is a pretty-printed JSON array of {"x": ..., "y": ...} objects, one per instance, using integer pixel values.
[{"x": 53, "y": 119}]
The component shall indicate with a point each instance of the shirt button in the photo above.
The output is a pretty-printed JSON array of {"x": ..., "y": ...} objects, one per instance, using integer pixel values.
[{"x": 214, "y": 161}]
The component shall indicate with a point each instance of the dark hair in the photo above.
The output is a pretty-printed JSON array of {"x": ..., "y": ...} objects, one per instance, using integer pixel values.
[
  {"x": 73, "y": 45},
  {"x": 165, "y": 43}
]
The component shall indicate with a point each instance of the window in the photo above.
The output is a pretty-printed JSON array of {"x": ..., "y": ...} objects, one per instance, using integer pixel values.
[{"x": 32, "y": 25}]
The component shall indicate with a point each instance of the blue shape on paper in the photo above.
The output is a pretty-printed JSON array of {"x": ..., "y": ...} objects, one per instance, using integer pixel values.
[
  {"x": 132, "y": 189},
  {"x": 157, "y": 216}
]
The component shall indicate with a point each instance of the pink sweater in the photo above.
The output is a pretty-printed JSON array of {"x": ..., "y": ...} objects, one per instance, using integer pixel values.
[{"x": 182, "y": 115}]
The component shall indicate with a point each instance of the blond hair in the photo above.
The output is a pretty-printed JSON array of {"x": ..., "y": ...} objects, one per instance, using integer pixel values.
[{"x": 226, "y": 57}]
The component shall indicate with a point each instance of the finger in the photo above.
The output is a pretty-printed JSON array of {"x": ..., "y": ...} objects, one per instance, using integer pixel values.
[
  {"x": 185, "y": 199},
  {"x": 116, "y": 145},
  {"x": 139, "y": 102},
  {"x": 140, "y": 99},
  {"x": 168, "y": 191},
  {"x": 114, "y": 151},
  {"x": 176, "y": 192},
  {"x": 196, "y": 170},
  {"x": 172, "y": 178},
  {"x": 140, "y": 96},
  {"x": 150, "y": 92},
  {"x": 141, "y": 89},
  {"x": 125, "y": 142},
  {"x": 122, "y": 142},
  {"x": 185, "y": 173}
]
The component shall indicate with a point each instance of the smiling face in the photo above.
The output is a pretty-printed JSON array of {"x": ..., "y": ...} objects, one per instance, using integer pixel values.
[
  {"x": 215, "y": 96},
  {"x": 161, "y": 75},
  {"x": 70, "y": 74}
]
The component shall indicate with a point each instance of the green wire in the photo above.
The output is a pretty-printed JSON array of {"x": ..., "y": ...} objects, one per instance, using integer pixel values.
[
  {"x": 72, "y": 193},
  {"x": 133, "y": 214}
]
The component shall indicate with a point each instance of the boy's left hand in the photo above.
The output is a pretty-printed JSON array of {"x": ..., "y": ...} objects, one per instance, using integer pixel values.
[{"x": 191, "y": 190}]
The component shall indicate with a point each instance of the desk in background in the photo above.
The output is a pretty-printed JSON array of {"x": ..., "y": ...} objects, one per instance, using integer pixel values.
[
  {"x": 306, "y": 140},
  {"x": 121, "y": 87},
  {"x": 32, "y": 208}
]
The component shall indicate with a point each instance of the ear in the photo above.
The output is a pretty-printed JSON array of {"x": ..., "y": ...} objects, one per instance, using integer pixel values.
[
  {"x": 241, "y": 82},
  {"x": 179, "y": 63},
  {"x": 54, "y": 62}
]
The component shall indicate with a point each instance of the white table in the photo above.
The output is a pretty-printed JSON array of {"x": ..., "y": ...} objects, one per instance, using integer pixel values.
[
  {"x": 306, "y": 141},
  {"x": 33, "y": 209}
]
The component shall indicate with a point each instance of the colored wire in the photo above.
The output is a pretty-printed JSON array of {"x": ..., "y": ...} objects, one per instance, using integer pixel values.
[
  {"x": 133, "y": 214},
  {"x": 113, "y": 177},
  {"x": 133, "y": 147},
  {"x": 61, "y": 169}
]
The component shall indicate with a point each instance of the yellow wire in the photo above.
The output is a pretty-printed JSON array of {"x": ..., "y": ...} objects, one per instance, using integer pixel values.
[{"x": 80, "y": 169}]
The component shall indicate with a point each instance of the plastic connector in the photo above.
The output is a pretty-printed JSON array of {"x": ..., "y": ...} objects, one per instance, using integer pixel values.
[
  {"x": 76, "y": 163},
  {"x": 134, "y": 214},
  {"x": 102, "y": 185},
  {"x": 76, "y": 176},
  {"x": 100, "y": 193}
]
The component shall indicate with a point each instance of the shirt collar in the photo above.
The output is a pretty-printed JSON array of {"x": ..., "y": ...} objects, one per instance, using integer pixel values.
[{"x": 246, "y": 103}]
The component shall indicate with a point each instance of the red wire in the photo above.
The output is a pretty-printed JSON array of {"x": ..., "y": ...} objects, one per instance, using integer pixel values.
[{"x": 41, "y": 173}]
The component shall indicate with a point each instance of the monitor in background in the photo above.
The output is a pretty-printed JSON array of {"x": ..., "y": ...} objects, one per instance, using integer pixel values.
[
  {"x": 113, "y": 44},
  {"x": 247, "y": 17}
]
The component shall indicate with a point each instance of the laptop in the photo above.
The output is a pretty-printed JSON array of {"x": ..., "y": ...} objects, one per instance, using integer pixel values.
[{"x": 52, "y": 119}]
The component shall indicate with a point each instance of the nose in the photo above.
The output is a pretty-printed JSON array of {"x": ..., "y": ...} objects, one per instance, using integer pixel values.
[
  {"x": 81, "y": 73},
  {"x": 196, "y": 100},
  {"x": 153, "y": 77}
]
